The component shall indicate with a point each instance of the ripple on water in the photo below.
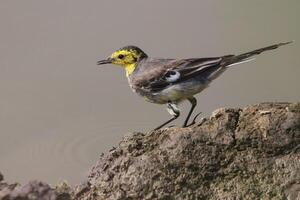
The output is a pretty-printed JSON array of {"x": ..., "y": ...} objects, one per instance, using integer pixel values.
[{"x": 58, "y": 155}]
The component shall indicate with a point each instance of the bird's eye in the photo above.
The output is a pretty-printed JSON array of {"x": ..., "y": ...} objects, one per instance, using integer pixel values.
[{"x": 121, "y": 56}]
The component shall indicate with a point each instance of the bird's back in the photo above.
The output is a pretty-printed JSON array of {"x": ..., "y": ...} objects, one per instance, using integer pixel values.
[{"x": 159, "y": 80}]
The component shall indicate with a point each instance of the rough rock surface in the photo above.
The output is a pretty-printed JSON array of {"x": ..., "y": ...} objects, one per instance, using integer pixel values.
[
  {"x": 250, "y": 153},
  {"x": 33, "y": 190}
]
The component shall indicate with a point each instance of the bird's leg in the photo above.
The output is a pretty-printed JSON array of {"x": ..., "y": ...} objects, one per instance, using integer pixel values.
[
  {"x": 174, "y": 111},
  {"x": 193, "y": 101},
  {"x": 194, "y": 120}
]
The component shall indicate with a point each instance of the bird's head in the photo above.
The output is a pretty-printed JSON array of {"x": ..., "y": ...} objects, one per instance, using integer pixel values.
[{"x": 126, "y": 57}]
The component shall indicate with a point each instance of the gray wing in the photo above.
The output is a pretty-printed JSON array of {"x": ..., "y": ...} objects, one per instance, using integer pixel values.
[{"x": 159, "y": 75}]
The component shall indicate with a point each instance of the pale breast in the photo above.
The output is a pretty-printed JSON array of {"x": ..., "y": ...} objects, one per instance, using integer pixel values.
[{"x": 173, "y": 93}]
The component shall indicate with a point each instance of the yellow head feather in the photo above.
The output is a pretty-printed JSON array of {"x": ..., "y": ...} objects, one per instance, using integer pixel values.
[{"x": 128, "y": 58}]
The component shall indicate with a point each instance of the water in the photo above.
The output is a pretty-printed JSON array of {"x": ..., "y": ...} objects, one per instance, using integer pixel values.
[{"x": 59, "y": 110}]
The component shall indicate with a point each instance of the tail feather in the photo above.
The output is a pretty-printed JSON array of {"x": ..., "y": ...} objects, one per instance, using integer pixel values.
[
  {"x": 236, "y": 59},
  {"x": 241, "y": 62}
]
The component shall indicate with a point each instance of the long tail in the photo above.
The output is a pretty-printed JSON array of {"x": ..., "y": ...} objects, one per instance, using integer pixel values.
[{"x": 246, "y": 57}]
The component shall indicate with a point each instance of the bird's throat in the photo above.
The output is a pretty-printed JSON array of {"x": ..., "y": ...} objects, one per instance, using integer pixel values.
[{"x": 129, "y": 68}]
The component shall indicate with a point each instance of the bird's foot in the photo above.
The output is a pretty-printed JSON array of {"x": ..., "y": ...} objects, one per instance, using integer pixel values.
[{"x": 194, "y": 120}]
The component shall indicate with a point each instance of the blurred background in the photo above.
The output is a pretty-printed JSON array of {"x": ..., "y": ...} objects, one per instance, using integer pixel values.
[{"x": 59, "y": 110}]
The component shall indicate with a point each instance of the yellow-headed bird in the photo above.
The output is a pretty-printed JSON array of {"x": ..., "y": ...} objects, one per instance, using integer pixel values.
[{"x": 170, "y": 81}]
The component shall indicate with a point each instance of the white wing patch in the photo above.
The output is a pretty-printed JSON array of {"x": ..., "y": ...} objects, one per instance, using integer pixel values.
[{"x": 172, "y": 76}]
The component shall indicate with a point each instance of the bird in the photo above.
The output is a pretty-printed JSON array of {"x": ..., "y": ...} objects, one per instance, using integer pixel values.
[{"x": 171, "y": 81}]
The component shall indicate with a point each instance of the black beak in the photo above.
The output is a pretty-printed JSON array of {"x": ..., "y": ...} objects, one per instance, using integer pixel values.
[{"x": 102, "y": 62}]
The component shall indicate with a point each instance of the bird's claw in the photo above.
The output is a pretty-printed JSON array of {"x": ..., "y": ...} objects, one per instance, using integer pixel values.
[{"x": 194, "y": 119}]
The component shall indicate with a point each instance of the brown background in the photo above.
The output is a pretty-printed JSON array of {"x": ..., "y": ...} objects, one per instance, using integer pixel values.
[{"x": 59, "y": 110}]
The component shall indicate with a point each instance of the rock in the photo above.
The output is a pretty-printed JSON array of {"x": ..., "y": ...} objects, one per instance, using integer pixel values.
[
  {"x": 31, "y": 191},
  {"x": 249, "y": 153},
  {"x": 236, "y": 154}
]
